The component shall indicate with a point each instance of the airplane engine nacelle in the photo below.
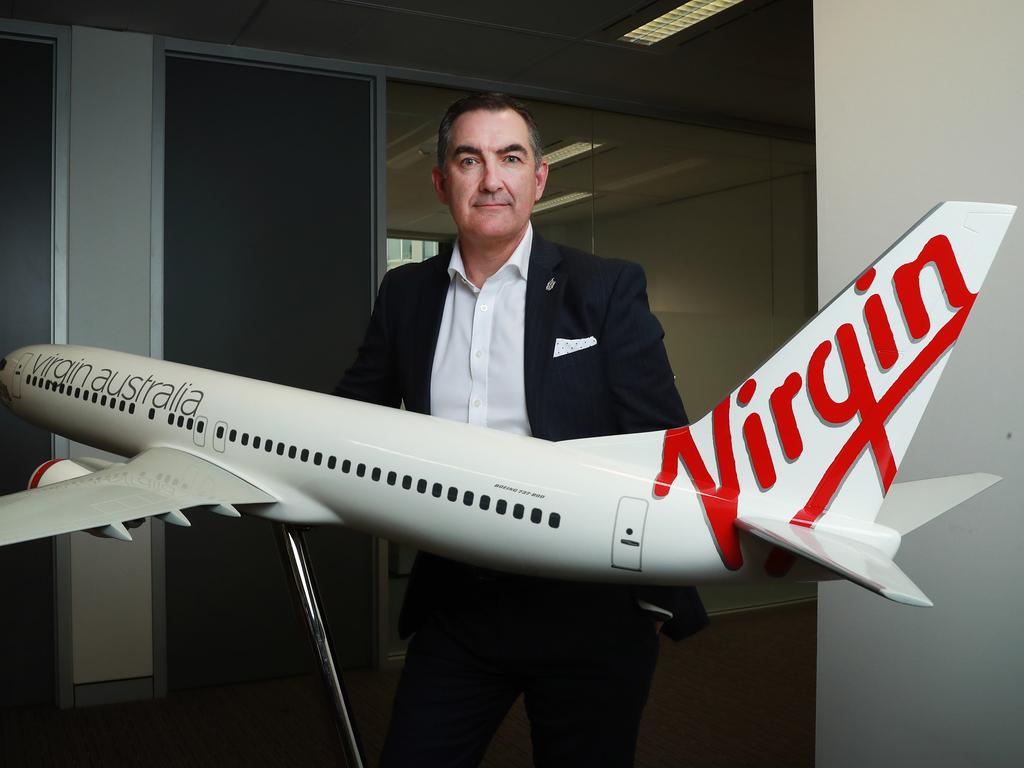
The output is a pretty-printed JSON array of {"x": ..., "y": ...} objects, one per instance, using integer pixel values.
[{"x": 57, "y": 471}]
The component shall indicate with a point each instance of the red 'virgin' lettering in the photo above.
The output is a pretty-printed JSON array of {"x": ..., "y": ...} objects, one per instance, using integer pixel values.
[
  {"x": 907, "y": 279},
  {"x": 781, "y": 401},
  {"x": 719, "y": 501}
]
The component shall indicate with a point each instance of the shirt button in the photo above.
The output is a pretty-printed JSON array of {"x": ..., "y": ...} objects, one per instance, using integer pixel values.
[
  {"x": 483, "y": 307},
  {"x": 476, "y": 403},
  {"x": 479, "y": 353}
]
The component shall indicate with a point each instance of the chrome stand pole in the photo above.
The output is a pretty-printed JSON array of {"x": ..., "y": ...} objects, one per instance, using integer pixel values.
[{"x": 292, "y": 543}]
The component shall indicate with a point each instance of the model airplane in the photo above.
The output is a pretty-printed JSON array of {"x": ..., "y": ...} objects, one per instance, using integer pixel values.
[{"x": 784, "y": 478}]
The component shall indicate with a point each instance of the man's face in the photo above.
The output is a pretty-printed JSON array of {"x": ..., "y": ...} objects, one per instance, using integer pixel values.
[{"x": 490, "y": 180}]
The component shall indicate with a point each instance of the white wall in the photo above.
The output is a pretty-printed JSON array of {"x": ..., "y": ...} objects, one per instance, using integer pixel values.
[
  {"x": 918, "y": 102},
  {"x": 109, "y": 306}
]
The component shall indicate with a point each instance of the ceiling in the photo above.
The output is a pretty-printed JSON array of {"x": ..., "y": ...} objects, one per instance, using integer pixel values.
[{"x": 750, "y": 67}]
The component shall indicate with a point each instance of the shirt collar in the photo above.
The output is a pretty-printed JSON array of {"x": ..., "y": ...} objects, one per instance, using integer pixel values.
[{"x": 518, "y": 262}]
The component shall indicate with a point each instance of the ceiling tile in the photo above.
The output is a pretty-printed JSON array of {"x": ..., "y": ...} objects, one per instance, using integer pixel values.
[{"x": 374, "y": 35}]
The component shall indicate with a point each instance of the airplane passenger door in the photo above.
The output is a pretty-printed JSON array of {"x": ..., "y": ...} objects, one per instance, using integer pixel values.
[
  {"x": 627, "y": 544},
  {"x": 218, "y": 436},
  {"x": 19, "y": 373},
  {"x": 199, "y": 433}
]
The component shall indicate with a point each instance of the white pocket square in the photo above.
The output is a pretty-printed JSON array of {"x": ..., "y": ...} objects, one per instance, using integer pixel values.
[{"x": 568, "y": 346}]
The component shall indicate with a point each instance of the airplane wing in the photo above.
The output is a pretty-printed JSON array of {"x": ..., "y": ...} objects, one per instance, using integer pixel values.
[
  {"x": 158, "y": 482},
  {"x": 850, "y": 559}
]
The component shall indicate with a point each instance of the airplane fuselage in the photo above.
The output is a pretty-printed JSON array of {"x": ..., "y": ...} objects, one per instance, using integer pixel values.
[{"x": 509, "y": 502}]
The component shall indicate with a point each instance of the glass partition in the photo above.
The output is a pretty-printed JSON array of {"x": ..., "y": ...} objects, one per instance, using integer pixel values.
[{"x": 722, "y": 221}]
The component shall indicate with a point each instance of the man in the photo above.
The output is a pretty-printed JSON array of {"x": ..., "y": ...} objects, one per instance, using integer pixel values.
[{"x": 470, "y": 335}]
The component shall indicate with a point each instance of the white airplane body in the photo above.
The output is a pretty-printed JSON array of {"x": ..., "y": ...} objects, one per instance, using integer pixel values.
[{"x": 784, "y": 479}]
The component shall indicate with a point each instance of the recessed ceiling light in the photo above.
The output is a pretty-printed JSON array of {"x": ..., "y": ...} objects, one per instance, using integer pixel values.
[
  {"x": 676, "y": 20},
  {"x": 561, "y": 200},
  {"x": 575, "y": 149}
]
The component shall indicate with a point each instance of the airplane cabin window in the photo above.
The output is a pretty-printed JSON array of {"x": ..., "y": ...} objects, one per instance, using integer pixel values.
[
  {"x": 233, "y": 435},
  {"x": 131, "y": 408},
  {"x": 189, "y": 424},
  {"x": 332, "y": 462},
  {"x": 318, "y": 458},
  {"x": 346, "y": 466},
  {"x": 421, "y": 486},
  {"x": 375, "y": 475},
  {"x": 201, "y": 427},
  {"x": 536, "y": 515},
  {"x": 406, "y": 482},
  {"x": 485, "y": 502},
  {"x": 554, "y": 519},
  {"x": 268, "y": 446},
  {"x": 280, "y": 449},
  {"x": 436, "y": 490},
  {"x": 453, "y": 493},
  {"x": 467, "y": 499},
  {"x": 120, "y": 406},
  {"x": 245, "y": 438},
  {"x": 501, "y": 506},
  {"x": 361, "y": 470},
  {"x": 78, "y": 391},
  {"x": 517, "y": 511},
  {"x": 304, "y": 456},
  {"x": 256, "y": 442},
  {"x": 170, "y": 416},
  {"x": 292, "y": 451},
  {"x": 392, "y": 478}
]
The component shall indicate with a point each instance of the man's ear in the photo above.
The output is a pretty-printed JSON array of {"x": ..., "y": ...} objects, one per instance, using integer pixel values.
[
  {"x": 542, "y": 179},
  {"x": 440, "y": 185}
]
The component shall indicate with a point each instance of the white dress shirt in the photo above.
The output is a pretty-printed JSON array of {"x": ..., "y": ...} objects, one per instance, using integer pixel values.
[{"x": 477, "y": 375}]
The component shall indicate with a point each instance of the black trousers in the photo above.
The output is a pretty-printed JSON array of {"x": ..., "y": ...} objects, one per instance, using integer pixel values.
[{"x": 582, "y": 656}]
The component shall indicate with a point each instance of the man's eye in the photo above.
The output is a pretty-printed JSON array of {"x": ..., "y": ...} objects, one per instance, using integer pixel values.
[
  {"x": 513, "y": 159},
  {"x": 468, "y": 161}
]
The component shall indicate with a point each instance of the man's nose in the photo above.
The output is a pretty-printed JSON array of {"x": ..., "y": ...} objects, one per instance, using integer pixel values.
[{"x": 491, "y": 180}]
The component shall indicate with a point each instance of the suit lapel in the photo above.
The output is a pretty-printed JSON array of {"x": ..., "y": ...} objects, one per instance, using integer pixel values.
[
  {"x": 429, "y": 309},
  {"x": 542, "y": 305}
]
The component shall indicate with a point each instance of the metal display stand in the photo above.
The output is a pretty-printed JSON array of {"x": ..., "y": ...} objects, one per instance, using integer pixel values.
[{"x": 292, "y": 543}]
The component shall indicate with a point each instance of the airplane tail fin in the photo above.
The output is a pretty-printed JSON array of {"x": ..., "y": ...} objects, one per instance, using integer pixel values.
[{"x": 813, "y": 438}]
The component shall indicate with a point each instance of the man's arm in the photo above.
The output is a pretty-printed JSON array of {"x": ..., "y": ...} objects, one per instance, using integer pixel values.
[
  {"x": 373, "y": 376},
  {"x": 639, "y": 375}
]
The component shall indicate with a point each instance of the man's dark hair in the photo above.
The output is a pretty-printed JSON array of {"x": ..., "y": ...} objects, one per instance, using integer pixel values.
[{"x": 488, "y": 102}]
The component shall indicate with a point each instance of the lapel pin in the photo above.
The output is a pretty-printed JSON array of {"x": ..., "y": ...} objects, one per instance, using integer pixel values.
[{"x": 550, "y": 285}]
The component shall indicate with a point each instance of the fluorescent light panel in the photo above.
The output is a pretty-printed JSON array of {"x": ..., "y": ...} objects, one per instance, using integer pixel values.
[
  {"x": 557, "y": 202},
  {"x": 676, "y": 20},
  {"x": 575, "y": 149}
]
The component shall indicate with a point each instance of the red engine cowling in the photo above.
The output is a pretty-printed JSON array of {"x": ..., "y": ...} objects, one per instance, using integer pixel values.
[{"x": 56, "y": 471}]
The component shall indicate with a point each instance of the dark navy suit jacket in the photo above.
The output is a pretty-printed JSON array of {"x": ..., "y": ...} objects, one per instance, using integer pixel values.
[{"x": 623, "y": 384}]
